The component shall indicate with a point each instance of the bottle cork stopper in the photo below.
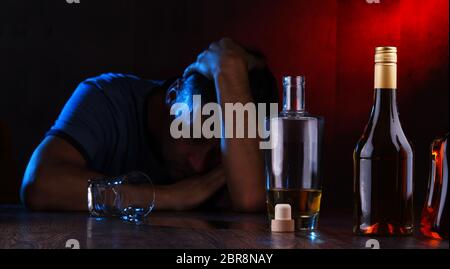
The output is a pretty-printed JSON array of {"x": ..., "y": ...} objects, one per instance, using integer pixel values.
[{"x": 283, "y": 221}]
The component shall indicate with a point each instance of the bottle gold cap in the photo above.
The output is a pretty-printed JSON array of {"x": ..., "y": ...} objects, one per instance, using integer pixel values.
[
  {"x": 386, "y": 55},
  {"x": 385, "y": 68}
]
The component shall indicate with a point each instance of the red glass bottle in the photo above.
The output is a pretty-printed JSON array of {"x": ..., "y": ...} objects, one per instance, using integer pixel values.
[{"x": 383, "y": 161}]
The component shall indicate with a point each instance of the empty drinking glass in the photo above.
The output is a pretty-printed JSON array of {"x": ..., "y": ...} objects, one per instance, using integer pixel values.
[{"x": 130, "y": 197}]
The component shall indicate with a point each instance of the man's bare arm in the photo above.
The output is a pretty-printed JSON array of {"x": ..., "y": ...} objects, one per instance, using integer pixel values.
[
  {"x": 228, "y": 64},
  {"x": 57, "y": 179},
  {"x": 242, "y": 159}
]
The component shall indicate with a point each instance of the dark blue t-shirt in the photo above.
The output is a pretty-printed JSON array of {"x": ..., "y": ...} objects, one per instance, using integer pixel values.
[{"x": 106, "y": 120}]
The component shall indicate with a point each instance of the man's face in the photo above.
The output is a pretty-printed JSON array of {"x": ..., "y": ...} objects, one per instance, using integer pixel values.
[{"x": 186, "y": 157}]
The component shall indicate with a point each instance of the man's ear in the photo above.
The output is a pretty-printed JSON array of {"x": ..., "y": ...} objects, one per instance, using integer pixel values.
[
  {"x": 171, "y": 96},
  {"x": 172, "y": 92}
]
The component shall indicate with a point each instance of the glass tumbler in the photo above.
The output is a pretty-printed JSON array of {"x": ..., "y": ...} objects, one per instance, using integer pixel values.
[{"x": 130, "y": 197}]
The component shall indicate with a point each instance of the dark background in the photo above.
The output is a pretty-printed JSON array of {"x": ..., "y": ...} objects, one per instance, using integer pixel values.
[{"x": 48, "y": 47}]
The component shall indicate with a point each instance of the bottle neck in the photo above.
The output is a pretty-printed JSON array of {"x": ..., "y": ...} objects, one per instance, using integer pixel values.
[
  {"x": 385, "y": 82},
  {"x": 385, "y": 105},
  {"x": 293, "y": 94}
]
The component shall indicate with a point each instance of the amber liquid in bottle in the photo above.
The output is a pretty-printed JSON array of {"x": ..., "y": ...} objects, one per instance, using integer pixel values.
[
  {"x": 383, "y": 161},
  {"x": 434, "y": 219}
]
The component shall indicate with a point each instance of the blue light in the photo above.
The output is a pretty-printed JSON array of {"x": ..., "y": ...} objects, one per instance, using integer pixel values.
[{"x": 312, "y": 236}]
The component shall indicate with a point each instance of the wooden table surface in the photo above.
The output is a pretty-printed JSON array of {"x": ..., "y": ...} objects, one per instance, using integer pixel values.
[{"x": 182, "y": 230}]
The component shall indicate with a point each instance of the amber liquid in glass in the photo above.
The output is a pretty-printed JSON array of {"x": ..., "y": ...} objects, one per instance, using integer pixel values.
[
  {"x": 383, "y": 173},
  {"x": 434, "y": 219},
  {"x": 305, "y": 204}
]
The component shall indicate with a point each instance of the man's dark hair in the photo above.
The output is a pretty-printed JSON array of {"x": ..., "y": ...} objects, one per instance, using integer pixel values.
[{"x": 263, "y": 86}]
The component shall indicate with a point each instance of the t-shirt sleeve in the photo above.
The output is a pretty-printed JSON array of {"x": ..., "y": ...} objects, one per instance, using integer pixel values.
[{"x": 86, "y": 120}]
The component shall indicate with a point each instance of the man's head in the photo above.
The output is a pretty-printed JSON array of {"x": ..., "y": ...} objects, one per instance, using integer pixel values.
[{"x": 190, "y": 156}]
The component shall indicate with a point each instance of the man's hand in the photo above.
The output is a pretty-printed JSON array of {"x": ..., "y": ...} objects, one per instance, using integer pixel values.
[
  {"x": 191, "y": 192},
  {"x": 223, "y": 57}
]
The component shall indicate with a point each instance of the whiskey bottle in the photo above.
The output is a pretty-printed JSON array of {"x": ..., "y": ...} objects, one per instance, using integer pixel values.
[{"x": 383, "y": 160}]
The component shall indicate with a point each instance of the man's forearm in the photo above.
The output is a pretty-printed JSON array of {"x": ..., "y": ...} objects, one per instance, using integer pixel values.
[
  {"x": 58, "y": 187},
  {"x": 244, "y": 172},
  {"x": 65, "y": 187},
  {"x": 242, "y": 159}
]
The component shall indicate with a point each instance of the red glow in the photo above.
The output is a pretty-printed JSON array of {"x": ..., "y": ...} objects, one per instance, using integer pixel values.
[
  {"x": 372, "y": 229},
  {"x": 332, "y": 43}
]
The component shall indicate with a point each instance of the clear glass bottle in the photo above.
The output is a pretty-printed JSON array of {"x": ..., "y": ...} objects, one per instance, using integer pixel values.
[
  {"x": 383, "y": 160},
  {"x": 434, "y": 219},
  {"x": 293, "y": 165}
]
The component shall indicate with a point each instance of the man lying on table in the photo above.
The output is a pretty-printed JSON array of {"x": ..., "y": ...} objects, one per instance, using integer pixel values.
[{"x": 114, "y": 124}]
